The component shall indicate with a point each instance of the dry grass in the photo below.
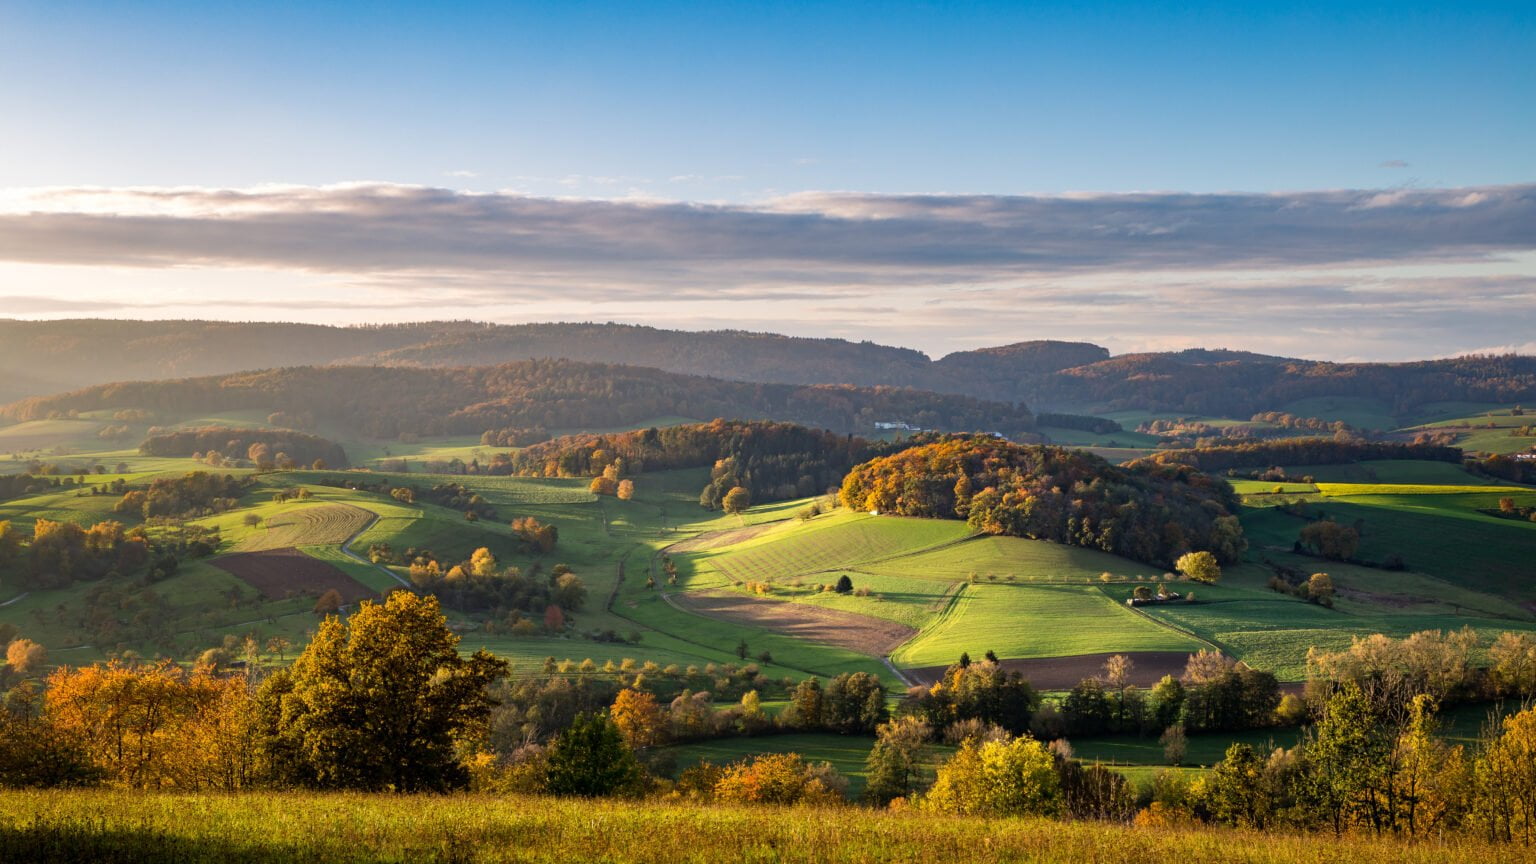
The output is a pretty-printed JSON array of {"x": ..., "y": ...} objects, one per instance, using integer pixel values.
[{"x": 297, "y": 827}]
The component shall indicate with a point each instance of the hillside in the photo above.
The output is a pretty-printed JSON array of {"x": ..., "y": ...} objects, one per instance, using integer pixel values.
[
  {"x": 1237, "y": 385},
  {"x": 385, "y": 402},
  {"x": 41, "y": 357}
]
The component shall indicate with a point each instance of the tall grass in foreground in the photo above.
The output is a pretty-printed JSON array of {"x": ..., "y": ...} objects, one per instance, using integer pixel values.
[{"x": 103, "y": 826}]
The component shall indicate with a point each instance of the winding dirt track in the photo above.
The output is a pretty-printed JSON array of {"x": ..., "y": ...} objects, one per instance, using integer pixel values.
[{"x": 862, "y": 633}]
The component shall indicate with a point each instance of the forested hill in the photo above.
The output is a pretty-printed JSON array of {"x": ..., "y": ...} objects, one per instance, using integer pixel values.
[
  {"x": 41, "y": 357},
  {"x": 1150, "y": 512},
  {"x": 1235, "y": 384},
  {"x": 386, "y": 402}
]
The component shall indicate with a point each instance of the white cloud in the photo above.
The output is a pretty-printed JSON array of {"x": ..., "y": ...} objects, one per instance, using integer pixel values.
[{"x": 1383, "y": 273}]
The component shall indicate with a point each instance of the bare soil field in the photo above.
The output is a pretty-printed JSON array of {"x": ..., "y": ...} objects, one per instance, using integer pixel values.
[
  {"x": 317, "y": 525},
  {"x": 873, "y": 636},
  {"x": 1064, "y": 673},
  {"x": 278, "y": 573}
]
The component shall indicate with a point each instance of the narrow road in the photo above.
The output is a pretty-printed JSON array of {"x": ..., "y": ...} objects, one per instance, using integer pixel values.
[
  {"x": 17, "y": 599},
  {"x": 900, "y": 676},
  {"x": 346, "y": 549}
]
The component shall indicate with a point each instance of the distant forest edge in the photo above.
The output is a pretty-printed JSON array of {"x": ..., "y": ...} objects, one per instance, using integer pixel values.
[
  {"x": 265, "y": 448},
  {"x": 386, "y": 402},
  {"x": 40, "y": 357}
]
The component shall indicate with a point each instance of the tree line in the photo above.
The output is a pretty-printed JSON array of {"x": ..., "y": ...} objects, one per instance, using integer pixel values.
[
  {"x": 197, "y": 493},
  {"x": 384, "y": 701},
  {"x": 1298, "y": 451},
  {"x": 264, "y": 448}
]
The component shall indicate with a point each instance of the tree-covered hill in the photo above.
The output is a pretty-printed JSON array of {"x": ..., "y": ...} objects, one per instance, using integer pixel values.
[
  {"x": 41, "y": 357},
  {"x": 1151, "y": 512},
  {"x": 388, "y": 401}
]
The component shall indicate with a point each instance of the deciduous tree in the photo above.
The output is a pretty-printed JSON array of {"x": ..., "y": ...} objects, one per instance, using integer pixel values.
[
  {"x": 1199, "y": 566},
  {"x": 379, "y": 701}
]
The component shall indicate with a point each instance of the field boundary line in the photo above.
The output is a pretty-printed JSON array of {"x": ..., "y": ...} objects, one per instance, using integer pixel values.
[
  {"x": 938, "y": 620},
  {"x": 618, "y": 581},
  {"x": 1167, "y": 625},
  {"x": 923, "y": 550}
]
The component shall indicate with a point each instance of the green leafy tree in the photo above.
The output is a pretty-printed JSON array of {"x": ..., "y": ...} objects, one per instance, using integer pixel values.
[
  {"x": 807, "y": 706},
  {"x": 853, "y": 702},
  {"x": 378, "y": 702},
  {"x": 894, "y": 766},
  {"x": 1350, "y": 753},
  {"x": 590, "y": 759},
  {"x": 1236, "y": 793},
  {"x": 1166, "y": 703}
]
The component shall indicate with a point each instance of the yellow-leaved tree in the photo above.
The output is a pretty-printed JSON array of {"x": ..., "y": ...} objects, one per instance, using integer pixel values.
[
  {"x": 998, "y": 778},
  {"x": 641, "y": 721}
]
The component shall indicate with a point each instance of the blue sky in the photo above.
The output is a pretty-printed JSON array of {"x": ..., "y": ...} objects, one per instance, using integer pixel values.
[{"x": 752, "y": 105}]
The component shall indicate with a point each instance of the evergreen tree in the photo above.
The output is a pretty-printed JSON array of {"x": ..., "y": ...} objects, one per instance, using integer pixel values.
[{"x": 590, "y": 759}]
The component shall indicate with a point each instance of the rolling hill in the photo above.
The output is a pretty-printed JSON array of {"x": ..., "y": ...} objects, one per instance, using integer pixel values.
[{"x": 41, "y": 357}]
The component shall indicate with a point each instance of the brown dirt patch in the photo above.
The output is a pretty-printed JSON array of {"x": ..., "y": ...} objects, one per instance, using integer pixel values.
[
  {"x": 718, "y": 539},
  {"x": 1064, "y": 673},
  {"x": 279, "y": 573},
  {"x": 862, "y": 633}
]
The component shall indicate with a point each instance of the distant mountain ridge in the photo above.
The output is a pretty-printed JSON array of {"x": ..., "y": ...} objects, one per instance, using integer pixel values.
[{"x": 43, "y": 357}]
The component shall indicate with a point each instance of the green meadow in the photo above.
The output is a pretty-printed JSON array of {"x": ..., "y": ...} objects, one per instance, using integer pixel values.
[
  {"x": 1038, "y": 621},
  {"x": 958, "y": 592}
]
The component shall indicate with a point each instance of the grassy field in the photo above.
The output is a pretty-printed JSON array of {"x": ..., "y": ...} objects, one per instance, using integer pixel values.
[
  {"x": 1126, "y": 437},
  {"x": 285, "y": 828},
  {"x": 839, "y": 541},
  {"x": 1019, "y": 597},
  {"x": 1037, "y": 621},
  {"x": 1473, "y": 582},
  {"x": 1479, "y": 427},
  {"x": 1270, "y": 487},
  {"x": 1358, "y": 411},
  {"x": 1012, "y": 559}
]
